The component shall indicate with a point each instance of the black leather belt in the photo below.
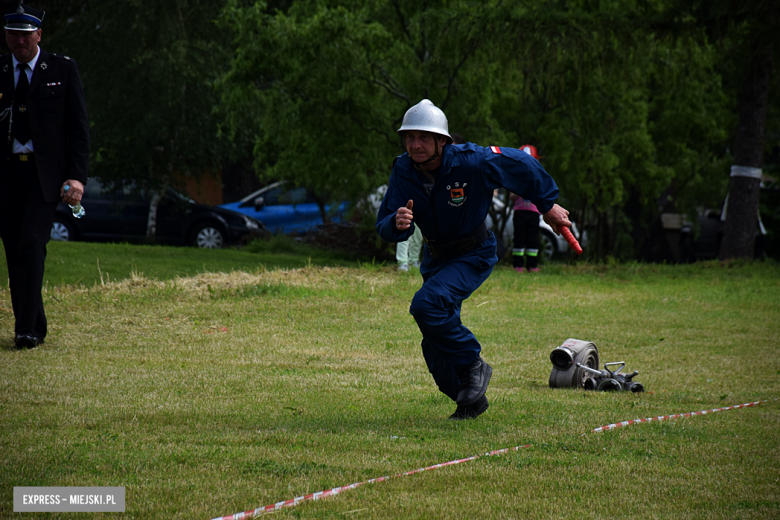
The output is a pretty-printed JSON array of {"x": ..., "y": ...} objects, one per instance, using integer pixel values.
[
  {"x": 460, "y": 246},
  {"x": 22, "y": 157}
]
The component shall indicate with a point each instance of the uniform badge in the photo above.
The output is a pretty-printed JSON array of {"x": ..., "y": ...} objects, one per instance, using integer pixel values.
[
  {"x": 5, "y": 69},
  {"x": 457, "y": 195},
  {"x": 44, "y": 65}
]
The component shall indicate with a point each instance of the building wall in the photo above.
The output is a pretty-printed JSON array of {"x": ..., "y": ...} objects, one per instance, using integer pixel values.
[{"x": 206, "y": 190}]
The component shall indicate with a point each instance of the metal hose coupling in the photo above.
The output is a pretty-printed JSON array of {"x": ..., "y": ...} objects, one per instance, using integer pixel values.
[
  {"x": 609, "y": 380},
  {"x": 566, "y": 360}
]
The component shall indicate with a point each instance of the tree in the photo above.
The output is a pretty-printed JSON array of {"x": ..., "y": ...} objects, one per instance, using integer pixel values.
[
  {"x": 746, "y": 33},
  {"x": 321, "y": 87},
  {"x": 148, "y": 73},
  {"x": 756, "y": 26}
]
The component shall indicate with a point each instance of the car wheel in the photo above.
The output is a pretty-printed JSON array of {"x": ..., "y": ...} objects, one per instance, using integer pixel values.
[
  {"x": 208, "y": 236},
  {"x": 547, "y": 245},
  {"x": 61, "y": 231}
]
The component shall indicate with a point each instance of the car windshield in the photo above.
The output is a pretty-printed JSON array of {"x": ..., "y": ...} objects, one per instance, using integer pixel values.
[
  {"x": 280, "y": 195},
  {"x": 262, "y": 192}
]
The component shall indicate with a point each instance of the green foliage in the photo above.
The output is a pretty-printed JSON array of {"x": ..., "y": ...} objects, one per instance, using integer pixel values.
[
  {"x": 620, "y": 116},
  {"x": 622, "y": 119},
  {"x": 148, "y": 72},
  {"x": 326, "y": 85},
  {"x": 693, "y": 114},
  {"x": 631, "y": 104}
]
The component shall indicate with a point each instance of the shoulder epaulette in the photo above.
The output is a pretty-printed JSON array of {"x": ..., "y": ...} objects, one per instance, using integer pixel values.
[{"x": 60, "y": 56}]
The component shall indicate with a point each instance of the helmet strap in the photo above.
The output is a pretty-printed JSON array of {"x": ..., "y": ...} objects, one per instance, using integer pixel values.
[{"x": 425, "y": 173}]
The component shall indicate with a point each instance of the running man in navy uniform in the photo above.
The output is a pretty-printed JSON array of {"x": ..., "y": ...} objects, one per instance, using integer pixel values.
[{"x": 446, "y": 190}]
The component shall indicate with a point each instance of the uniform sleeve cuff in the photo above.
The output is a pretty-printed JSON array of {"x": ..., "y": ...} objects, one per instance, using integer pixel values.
[{"x": 544, "y": 207}]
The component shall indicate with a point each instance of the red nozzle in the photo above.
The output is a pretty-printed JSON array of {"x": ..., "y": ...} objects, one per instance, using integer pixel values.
[{"x": 566, "y": 232}]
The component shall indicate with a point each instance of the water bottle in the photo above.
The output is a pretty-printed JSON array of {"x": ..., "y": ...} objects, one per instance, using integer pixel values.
[{"x": 78, "y": 211}]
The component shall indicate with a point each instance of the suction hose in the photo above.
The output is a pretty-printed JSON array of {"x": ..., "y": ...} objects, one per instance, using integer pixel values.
[{"x": 565, "y": 373}]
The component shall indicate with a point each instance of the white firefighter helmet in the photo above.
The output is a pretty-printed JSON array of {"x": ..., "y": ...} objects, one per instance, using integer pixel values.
[{"x": 426, "y": 117}]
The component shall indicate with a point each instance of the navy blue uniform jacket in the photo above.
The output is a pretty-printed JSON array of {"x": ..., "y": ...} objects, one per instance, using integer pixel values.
[{"x": 463, "y": 191}]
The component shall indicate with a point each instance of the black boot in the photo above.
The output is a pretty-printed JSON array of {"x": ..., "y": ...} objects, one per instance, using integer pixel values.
[
  {"x": 474, "y": 379},
  {"x": 471, "y": 412}
]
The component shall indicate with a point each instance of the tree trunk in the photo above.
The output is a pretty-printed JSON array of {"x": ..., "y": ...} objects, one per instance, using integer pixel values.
[
  {"x": 151, "y": 223},
  {"x": 505, "y": 215},
  {"x": 323, "y": 211},
  {"x": 741, "y": 217},
  {"x": 602, "y": 235},
  {"x": 500, "y": 217}
]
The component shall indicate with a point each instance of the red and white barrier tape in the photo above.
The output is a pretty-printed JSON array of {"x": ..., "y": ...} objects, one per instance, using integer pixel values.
[
  {"x": 335, "y": 491},
  {"x": 664, "y": 417}
]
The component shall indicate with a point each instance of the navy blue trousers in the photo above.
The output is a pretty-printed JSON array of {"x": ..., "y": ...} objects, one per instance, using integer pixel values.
[{"x": 447, "y": 344}]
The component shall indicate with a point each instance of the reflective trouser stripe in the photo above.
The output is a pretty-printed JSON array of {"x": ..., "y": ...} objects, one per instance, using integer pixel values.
[
  {"x": 517, "y": 252},
  {"x": 532, "y": 252}
]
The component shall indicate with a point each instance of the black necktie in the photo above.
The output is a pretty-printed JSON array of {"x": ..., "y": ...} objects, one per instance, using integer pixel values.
[{"x": 21, "y": 123}]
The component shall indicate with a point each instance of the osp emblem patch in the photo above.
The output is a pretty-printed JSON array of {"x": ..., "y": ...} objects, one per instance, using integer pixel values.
[{"x": 457, "y": 195}]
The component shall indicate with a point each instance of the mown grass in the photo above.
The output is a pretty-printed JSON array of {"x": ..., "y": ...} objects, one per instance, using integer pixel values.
[
  {"x": 90, "y": 263},
  {"x": 217, "y": 393}
]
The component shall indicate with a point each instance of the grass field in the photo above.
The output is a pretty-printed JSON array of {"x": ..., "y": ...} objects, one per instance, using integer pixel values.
[
  {"x": 88, "y": 264},
  {"x": 219, "y": 392}
]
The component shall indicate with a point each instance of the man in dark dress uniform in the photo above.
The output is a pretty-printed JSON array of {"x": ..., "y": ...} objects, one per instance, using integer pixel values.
[{"x": 44, "y": 143}]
